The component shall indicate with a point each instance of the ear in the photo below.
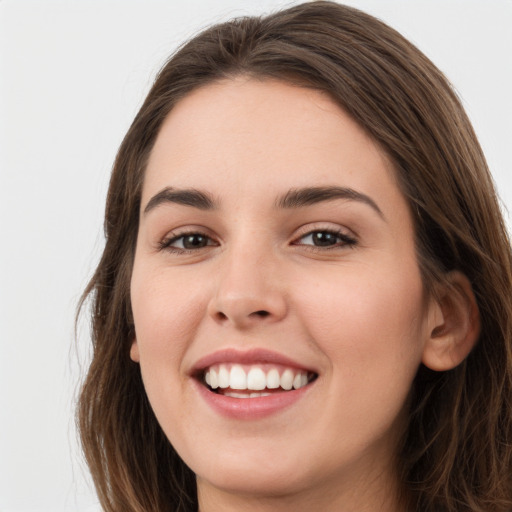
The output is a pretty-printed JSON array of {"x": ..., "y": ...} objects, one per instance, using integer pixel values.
[
  {"x": 134, "y": 351},
  {"x": 454, "y": 324}
]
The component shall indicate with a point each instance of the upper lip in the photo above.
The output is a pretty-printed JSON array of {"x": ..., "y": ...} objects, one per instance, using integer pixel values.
[{"x": 252, "y": 356}]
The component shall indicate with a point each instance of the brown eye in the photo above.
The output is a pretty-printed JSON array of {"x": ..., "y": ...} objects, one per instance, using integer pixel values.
[
  {"x": 187, "y": 242},
  {"x": 326, "y": 239},
  {"x": 194, "y": 241}
]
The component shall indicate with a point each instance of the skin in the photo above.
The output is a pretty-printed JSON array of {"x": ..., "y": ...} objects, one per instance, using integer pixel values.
[{"x": 355, "y": 313}]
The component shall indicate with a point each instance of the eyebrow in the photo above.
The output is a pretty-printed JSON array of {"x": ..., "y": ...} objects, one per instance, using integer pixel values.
[
  {"x": 186, "y": 197},
  {"x": 299, "y": 197},
  {"x": 294, "y": 198}
]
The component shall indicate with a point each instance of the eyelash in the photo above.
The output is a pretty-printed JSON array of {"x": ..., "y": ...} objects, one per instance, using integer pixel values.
[
  {"x": 344, "y": 240},
  {"x": 166, "y": 243}
]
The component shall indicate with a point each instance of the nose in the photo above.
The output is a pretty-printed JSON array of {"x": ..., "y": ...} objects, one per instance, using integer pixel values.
[{"x": 249, "y": 291}]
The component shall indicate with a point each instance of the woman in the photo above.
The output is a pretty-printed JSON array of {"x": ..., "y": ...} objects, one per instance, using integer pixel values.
[{"x": 304, "y": 298}]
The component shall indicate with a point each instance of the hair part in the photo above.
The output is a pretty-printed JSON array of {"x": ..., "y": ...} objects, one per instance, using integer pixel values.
[{"x": 457, "y": 452}]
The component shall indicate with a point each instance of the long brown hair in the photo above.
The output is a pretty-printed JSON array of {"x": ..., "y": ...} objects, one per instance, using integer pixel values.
[{"x": 457, "y": 452}]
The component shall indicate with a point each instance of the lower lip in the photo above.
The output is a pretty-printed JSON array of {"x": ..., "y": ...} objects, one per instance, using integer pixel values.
[{"x": 251, "y": 408}]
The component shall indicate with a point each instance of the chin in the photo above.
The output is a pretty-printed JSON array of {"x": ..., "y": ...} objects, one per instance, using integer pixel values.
[
  {"x": 266, "y": 473},
  {"x": 261, "y": 482}
]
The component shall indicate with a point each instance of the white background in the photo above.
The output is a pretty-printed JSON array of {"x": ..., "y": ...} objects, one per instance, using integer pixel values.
[{"x": 72, "y": 75}]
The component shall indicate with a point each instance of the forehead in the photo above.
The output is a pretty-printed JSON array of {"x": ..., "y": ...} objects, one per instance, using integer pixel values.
[{"x": 253, "y": 134}]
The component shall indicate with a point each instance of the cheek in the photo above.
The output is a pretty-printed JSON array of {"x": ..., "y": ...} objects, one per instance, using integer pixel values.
[
  {"x": 368, "y": 322},
  {"x": 167, "y": 313}
]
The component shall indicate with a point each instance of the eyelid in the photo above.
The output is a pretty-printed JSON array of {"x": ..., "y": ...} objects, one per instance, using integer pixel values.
[
  {"x": 348, "y": 237},
  {"x": 324, "y": 226},
  {"x": 165, "y": 243}
]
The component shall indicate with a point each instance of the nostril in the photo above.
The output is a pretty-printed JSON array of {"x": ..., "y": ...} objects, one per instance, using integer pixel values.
[
  {"x": 221, "y": 315},
  {"x": 261, "y": 313}
]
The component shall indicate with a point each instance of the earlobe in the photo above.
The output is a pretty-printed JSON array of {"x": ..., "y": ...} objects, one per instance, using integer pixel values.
[
  {"x": 454, "y": 324},
  {"x": 134, "y": 351}
]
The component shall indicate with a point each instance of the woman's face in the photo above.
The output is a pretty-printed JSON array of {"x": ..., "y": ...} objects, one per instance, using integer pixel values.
[{"x": 275, "y": 250}]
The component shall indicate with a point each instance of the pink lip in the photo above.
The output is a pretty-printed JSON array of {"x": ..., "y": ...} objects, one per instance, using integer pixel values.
[
  {"x": 248, "y": 408},
  {"x": 253, "y": 356}
]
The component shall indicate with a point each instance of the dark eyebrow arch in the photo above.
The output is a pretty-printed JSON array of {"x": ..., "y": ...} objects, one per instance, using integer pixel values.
[
  {"x": 185, "y": 197},
  {"x": 299, "y": 197}
]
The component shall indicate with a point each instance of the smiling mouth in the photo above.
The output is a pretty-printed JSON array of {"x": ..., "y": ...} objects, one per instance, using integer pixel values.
[{"x": 253, "y": 381}]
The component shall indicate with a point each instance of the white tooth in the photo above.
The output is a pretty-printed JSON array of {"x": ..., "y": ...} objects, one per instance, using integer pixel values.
[
  {"x": 237, "y": 378},
  {"x": 233, "y": 394},
  {"x": 297, "y": 381},
  {"x": 214, "y": 380},
  {"x": 287, "y": 380},
  {"x": 303, "y": 379},
  {"x": 207, "y": 377},
  {"x": 256, "y": 395},
  {"x": 256, "y": 379},
  {"x": 223, "y": 377},
  {"x": 273, "y": 380}
]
